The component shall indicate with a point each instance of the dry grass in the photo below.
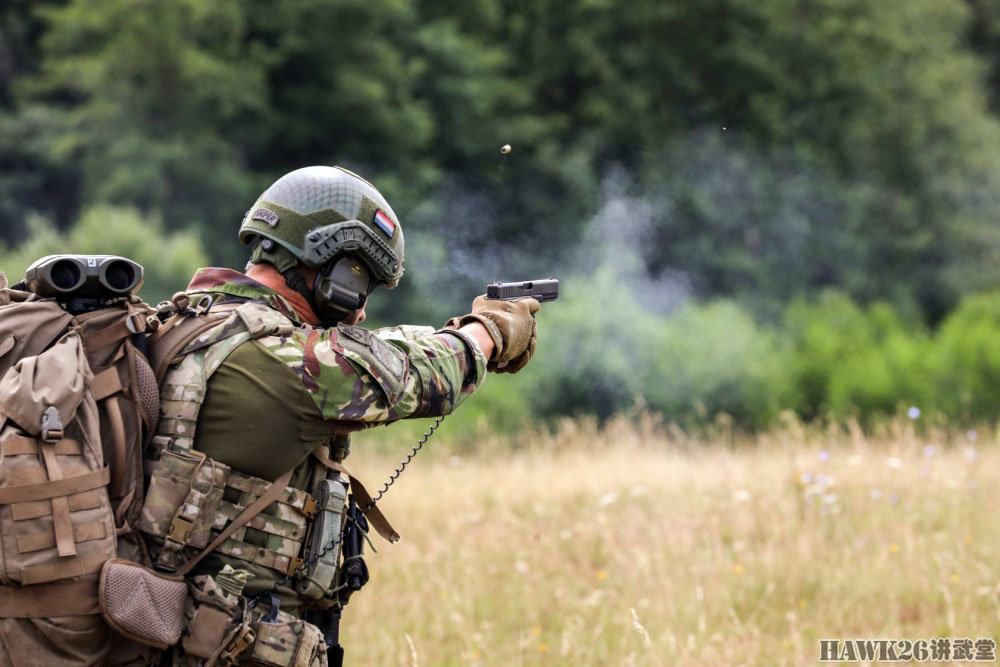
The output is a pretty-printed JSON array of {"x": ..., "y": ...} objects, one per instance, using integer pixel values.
[{"x": 633, "y": 545}]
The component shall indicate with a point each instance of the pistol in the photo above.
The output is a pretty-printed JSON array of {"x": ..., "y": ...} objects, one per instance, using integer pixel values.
[{"x": 541, "y": 290}]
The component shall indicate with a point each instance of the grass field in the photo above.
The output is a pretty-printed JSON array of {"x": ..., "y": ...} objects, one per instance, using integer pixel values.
[{"x": 638, "y": 545}]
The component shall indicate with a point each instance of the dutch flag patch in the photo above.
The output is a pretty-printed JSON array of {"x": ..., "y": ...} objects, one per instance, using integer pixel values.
[{"x": 385, "y": 223}]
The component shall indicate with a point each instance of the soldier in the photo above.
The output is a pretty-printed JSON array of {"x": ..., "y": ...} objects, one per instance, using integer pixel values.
[{"x": 279, "y": 388}]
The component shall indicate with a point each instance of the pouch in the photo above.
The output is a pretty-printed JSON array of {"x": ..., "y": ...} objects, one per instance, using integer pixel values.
[
  {"x": 183, "y": 500},
  {"x": 210, "y": 614},
  {"x": 141, "y": 604},
  {"x": 324, "y": 538},
  {"x": 293, "y": 643}
]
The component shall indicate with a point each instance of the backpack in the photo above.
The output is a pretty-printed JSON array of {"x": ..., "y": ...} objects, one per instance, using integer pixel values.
[{"x": 78, "y": 400}]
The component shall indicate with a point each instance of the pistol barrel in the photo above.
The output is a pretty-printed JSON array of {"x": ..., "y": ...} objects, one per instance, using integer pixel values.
[{"x": 542, "y": 290}]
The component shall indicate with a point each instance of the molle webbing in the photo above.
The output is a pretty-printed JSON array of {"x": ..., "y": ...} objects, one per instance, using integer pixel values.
[
  {"x": 282, "y": 527},
  {"x": 55, "y": 490},
  {"x": 216, "y": 496}
]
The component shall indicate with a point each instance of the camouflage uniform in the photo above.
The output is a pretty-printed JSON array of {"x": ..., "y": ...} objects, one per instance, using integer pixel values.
[{"x": 271, "y": 399}]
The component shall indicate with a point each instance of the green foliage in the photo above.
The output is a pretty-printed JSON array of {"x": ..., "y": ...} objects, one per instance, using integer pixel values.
[
  {"x": 846, "y": 360},
  {"x": 169, "y": 260},
  {"x": 769, "y": 150},
  {"x": 592, "y": 343},
  {"x": 783, "y": 146},
  {"x": 967, "y": 377},
  {"x": 827, "y": 357},
  {"x": 601, "y": 351},
  {"x": 713, "y": 358}
]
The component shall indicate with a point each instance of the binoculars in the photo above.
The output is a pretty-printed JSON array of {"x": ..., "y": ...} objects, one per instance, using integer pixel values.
[{"x": 73, "y": 276}]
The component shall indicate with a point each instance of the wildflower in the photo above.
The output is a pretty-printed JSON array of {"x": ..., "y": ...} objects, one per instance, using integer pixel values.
[
  {"x": 955, "y": 578},
  {"x": 971, "y": 435},
  {"x": 802, "y": 604},
  {"x": 913, "y": 412},
  {"x": 894, "y": 462},
  {"x": 537, "y": 630},
  {"x": 521, "y": 567},
  {"x": 820, "y": 480},
  {"x": 565, "y": 534},
  {"x": 741, "y": 496},
  {"x": 807, "y": 478},
  {"x": 542, "y": 648},
  {"x": 737, "y": 569},
  {"x": 971, "y": 454},
  {"x": 875, "y": 494},
  {"x": 824, "y": 455},
  {"x": 602, "y": 575},
  {"x": 830, "y": 499},
  {"x": 929, "y": 450},
  {"x": 855, "y": 460},
  {"x": 968, "y": 539},
  {"x": 640, "y": 628},
  {"x": 894, "y": 548},
  {"x": 607, "y": 499}
]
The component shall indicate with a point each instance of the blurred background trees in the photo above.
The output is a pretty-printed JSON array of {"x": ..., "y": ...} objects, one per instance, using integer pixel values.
[{"x": 755, "y": 204}]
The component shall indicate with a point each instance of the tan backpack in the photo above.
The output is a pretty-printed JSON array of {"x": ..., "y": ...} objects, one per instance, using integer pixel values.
[{"x": 77, "y": 399}]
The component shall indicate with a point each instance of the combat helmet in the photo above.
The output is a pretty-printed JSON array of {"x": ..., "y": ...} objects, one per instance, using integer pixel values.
[{"x": 330, "y": 219}]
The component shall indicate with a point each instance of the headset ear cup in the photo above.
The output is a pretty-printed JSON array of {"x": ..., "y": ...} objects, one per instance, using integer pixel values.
[{"x": 342, "y": 287}]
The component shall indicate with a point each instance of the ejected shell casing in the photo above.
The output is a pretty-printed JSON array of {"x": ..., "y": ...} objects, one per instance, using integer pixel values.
[{"x": 505, "y": 149}]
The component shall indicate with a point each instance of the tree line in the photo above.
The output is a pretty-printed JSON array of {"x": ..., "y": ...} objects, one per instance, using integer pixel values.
[{"x": 765, "y": 150}]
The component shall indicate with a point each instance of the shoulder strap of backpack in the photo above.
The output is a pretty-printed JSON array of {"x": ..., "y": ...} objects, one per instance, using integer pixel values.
[{"x": 180, "y": 330}]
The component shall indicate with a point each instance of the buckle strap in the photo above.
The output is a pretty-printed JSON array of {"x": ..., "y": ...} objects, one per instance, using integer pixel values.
[
  {"x": 52, "y": 426},
  {"x": 365, "y": 502},
  {"x": 243, "y": 638},
  {"x": 20, "y": 445},
  {"x": 53, "y": 489},
  {"x": 77, "y": 598}
]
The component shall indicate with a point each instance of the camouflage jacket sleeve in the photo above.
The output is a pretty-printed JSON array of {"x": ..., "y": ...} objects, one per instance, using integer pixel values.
[
  {"x": 372, "y": 377},
  {"x": 404, "y": 332}
]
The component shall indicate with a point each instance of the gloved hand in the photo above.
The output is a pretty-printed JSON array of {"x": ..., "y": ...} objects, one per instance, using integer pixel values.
[{"x": 511, "y": 325}]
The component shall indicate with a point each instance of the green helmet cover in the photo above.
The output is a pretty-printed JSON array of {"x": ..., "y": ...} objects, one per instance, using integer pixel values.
[{"x": 315, "y": 213}]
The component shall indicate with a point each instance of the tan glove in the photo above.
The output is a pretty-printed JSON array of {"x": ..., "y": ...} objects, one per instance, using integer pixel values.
[{"x": 511, "y": 325}]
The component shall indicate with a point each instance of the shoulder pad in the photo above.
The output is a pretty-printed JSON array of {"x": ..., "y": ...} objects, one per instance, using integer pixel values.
[
  {"x": 386, "y": 363},
  {"x": 261, "y": 320}
]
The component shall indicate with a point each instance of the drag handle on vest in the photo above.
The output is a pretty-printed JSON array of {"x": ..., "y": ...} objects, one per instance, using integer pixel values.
[
  {"x": 80, "y": 276},
  {"x": 540, "y": 290}
]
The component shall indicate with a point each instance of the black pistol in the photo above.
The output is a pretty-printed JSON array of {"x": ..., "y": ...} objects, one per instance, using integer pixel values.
[{"x": 540, "y": 290}]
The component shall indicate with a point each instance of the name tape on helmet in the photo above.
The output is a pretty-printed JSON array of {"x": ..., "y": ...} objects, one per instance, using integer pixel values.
[
  {"x": 385, "y": 223},
  {"x": 264, "y": 215}
]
